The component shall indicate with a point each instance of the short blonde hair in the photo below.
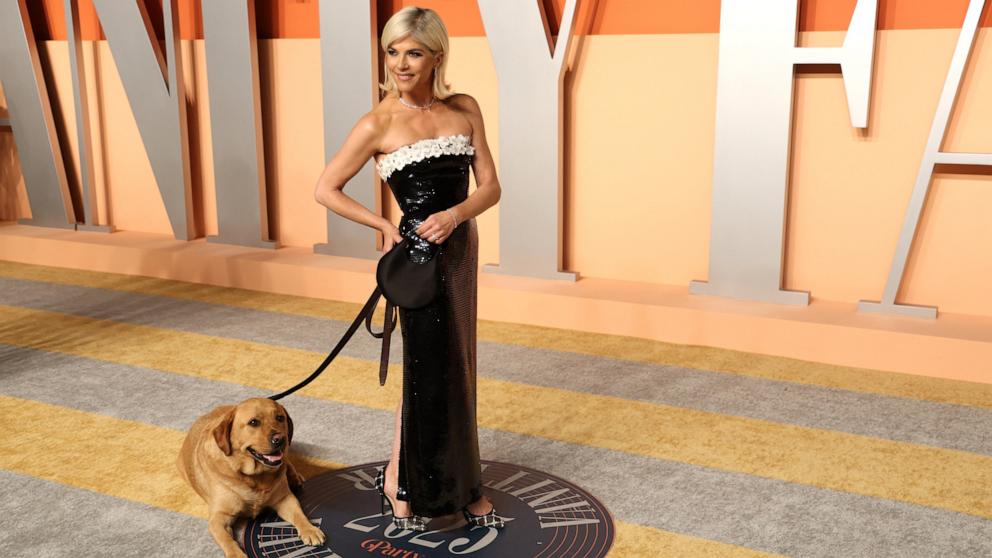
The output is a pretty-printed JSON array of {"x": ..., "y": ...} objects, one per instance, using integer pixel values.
[{"x": 424, "y": 26}]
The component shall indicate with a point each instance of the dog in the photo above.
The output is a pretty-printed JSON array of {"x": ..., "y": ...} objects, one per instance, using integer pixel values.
[{"x": 235, "y": 458}]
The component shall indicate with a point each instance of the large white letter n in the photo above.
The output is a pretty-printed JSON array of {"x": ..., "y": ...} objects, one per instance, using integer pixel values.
[{"x": 751, "y": 150}]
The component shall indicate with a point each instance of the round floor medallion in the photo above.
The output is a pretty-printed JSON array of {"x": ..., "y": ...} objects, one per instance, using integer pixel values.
[{"x": 546, "y": 517}]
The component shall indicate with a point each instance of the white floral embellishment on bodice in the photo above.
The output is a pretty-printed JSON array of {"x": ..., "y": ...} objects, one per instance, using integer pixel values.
[{"x": 418, "y": 151}]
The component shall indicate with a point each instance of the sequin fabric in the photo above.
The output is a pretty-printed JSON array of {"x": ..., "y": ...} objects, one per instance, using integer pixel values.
[{"x": 439, "y": 449}]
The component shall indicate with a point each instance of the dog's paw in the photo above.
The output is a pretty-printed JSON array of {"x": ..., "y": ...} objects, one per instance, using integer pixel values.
[{"x": 311, "y": 536}]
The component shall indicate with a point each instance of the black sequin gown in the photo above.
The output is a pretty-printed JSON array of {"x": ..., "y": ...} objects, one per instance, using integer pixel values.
[{"x": 439, "y": 471}]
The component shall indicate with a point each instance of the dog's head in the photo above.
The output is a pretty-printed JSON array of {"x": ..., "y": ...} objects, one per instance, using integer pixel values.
[{"x": 256, "y": 429}]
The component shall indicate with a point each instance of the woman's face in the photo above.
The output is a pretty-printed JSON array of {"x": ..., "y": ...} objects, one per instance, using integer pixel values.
[{"x": 411, "y": 64}]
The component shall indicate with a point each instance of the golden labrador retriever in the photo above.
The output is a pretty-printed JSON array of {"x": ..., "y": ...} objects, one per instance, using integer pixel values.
[{"x": 235, "y": 458}]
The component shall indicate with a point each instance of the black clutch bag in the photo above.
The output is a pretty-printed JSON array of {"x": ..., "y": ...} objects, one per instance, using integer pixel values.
[{"x": 407, "y": 283}]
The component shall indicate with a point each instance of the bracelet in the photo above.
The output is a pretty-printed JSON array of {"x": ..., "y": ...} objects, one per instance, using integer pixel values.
[{"x": 453, "y": 218}]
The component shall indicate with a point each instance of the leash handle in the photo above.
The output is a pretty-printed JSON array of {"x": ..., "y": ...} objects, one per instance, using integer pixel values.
[
  {"x": 365, "y": 314},
  {"x": 389, "y": 324}
]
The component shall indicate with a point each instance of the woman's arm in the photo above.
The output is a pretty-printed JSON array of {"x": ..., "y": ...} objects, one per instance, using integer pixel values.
[
  {"x": 360, "y": 146},
  {"x": 487, "y": 191}
]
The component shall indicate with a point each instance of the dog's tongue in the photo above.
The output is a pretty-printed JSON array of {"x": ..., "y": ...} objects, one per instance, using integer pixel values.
[{"x": 274, "y": 457}]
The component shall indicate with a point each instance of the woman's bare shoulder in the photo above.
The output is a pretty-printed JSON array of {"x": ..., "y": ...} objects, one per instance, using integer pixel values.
[
  {"x": 374, "y": 124},
  {"x": 380, "y": 116},
  {"x": 464, "y": 102}
]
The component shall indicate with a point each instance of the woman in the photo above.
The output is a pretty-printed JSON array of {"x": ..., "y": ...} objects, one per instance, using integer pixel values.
[{"x": 424, "y": 139}]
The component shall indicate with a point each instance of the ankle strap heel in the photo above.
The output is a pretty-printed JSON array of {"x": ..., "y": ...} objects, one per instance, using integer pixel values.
[
  {"x": 411, "y": 522},
  {"x": 489, "y": 519}
]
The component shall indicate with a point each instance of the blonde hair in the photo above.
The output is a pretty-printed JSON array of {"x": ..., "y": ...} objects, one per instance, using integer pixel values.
[{"x": 424, "y": 26}]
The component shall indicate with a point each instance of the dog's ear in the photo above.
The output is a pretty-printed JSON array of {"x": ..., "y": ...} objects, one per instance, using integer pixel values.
[
  {"x": 289, "y": 422},
  {"x": 222, "y": 432}
]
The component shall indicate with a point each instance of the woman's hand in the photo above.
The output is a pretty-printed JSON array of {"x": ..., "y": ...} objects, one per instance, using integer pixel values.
[
  {"x": 438, "y": 227},
  {"x": 390, "y": 236}
]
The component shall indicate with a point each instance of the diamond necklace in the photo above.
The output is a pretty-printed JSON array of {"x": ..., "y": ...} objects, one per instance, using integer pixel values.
[{"x": 410, "y": 105}]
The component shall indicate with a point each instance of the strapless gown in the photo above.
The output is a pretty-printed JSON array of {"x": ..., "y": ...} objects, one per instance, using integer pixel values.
[{"x": 439, "y": 470}]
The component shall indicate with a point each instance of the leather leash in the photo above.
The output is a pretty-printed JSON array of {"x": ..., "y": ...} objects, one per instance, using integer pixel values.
[{"x": 389, "y": 324}]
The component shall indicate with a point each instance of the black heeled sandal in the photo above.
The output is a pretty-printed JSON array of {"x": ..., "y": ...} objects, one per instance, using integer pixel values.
[
  {"x": 489, "y": 519},
  {"x": 411, "y": 522}
]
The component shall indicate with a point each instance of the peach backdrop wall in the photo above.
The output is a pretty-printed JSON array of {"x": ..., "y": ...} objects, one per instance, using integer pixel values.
[{"x": 638, "y": 152}]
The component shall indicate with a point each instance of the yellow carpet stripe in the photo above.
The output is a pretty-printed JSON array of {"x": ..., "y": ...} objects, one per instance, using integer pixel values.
[
  {"x": 125, "y": 459},
  {"x": 612, "y": 346},
  {"x": 635, "y": 540},
  {"x": 136, "y": 462},
  {"x": 943, "y": 478}
]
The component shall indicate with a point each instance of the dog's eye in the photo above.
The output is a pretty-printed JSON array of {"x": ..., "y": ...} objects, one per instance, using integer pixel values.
[
  {"x": 280, "y": 418},
  {"x": 254, "y": 422}
]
